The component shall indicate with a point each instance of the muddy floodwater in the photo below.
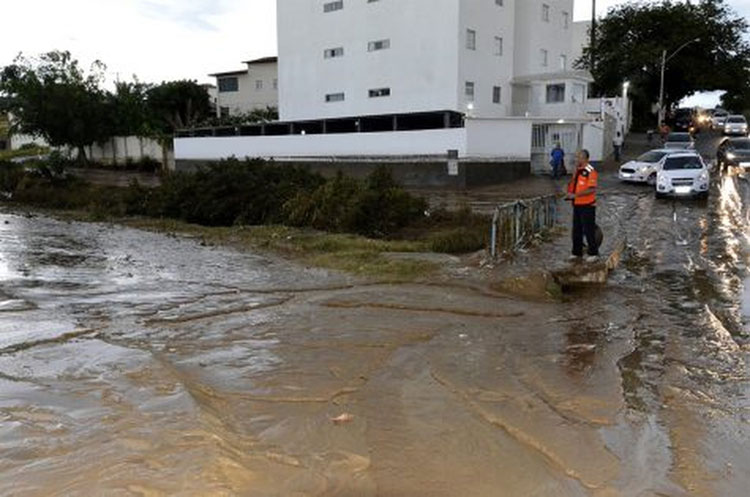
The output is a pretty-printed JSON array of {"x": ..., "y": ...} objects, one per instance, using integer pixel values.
[{"x": 135, "y": 363}]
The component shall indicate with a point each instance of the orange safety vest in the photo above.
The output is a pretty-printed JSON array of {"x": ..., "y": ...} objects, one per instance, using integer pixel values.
[{"x": 583, "y": 179}]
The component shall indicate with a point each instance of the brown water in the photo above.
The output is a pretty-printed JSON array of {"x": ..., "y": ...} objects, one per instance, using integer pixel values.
[{"x": 134, "y": 363}]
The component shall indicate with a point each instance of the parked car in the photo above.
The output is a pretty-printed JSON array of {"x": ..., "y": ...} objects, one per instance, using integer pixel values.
[
  {"x": 719, "y": 119},
  {"x": 679, "y": 141},
  {"x": 644, "y": 168},
  {"x": 733, "y": 152},
  {"x": 735, "y": 125},
  {"x": 682, "y": 174}
]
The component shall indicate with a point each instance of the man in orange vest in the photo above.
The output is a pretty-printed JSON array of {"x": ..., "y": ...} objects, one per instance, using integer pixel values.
[{"x": 582, "y": 192}]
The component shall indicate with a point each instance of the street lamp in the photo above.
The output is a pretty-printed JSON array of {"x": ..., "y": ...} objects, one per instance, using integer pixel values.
[{"x": 664, "y": 60}]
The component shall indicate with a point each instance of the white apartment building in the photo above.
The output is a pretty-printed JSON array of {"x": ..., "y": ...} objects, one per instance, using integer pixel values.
[
  {"x": 485, "y": 58},
  {"x": 255, "y": 87}
]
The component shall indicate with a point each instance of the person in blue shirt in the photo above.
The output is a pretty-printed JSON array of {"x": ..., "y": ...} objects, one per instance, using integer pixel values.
[{"x": 557, "y": 161}]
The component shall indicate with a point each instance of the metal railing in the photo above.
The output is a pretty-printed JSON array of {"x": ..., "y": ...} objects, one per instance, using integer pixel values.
[{"x": 516, "y": 223}]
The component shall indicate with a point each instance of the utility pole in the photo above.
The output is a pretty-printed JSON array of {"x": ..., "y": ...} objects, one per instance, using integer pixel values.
[
  {"x": 660, "y": 114},
  {"x": 664, "y": 60},
  {"x": 592, "y": 50}
]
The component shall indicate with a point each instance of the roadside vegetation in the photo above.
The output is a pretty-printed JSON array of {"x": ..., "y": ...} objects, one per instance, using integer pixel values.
[{"x": 342, "y": 223}]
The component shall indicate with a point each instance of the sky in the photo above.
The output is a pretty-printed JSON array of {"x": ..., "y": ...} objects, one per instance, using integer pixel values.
[{"x": 160, "y": 40}]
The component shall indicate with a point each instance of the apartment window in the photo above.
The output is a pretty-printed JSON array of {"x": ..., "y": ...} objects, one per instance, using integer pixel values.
[
  {"x": 333, "y": 6},
  {"x": 258, "y": 84},
  {"x": 224, "y": 111},
  {"x": 497, "y": 95},
  {"x": 545, "y": 12},
  {"x": 335, "y": 97},
  {"x": 275, "y": 84},
  {"x": 544, "y": 56},
  {"x": 471, "y": 39},
  {"x": 566, "y": 20},
  {"x": 229, "y": 85},
  {"x": 332, "y": 53},
  {"x": 469, "y": 91},
  {"x": 499, "y": 2},
  {"x": 374, "y": 46},
  {"x": 555, "y": 93},
  {"x": 563, "y": 62},
  {"x": 498, "y": 46},
  {"x": 380, "y": 92}
]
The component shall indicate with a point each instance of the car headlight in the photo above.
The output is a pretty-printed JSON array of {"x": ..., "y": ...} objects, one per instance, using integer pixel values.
[
  {"x": 703, "y": 178},
  {"x": 662, "y": 180}
]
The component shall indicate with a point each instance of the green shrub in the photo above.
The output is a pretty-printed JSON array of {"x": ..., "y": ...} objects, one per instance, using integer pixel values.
[
  {"x": 331, "y": 207},
  {"x": 10, "y": 177},
  {"x": 384, "y": 207},
  {"x": 459, "y": 241},
  {"x": 377, "y": 207},
  {"x": 231, "y": 192}
]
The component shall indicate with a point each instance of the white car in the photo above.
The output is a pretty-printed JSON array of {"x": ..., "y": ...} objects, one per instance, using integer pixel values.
[
  {"x": 644, "y": 168},
  {"x": 679, "y": 141},
  {"x": 736, "y": 125},
  {"x": 682, "y": 174}
]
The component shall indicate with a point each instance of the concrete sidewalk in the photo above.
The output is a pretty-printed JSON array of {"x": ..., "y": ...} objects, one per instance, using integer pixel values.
[{"x": 484, "y": 199}]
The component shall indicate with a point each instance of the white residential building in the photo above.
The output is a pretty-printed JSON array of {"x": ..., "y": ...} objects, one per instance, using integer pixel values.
[
  {"x": 486, "y": 58},
  {"x": 255, "y": 87}
]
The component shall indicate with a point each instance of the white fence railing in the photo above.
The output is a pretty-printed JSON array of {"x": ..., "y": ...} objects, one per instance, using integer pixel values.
[{"x": 516, "y": 223}]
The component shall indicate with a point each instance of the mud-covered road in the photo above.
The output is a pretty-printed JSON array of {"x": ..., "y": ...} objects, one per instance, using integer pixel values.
[{"x": 134, "y": 363}]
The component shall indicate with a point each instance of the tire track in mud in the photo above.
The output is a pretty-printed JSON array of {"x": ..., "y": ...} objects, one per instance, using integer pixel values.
[
  {"x": 58, "y": 339},
  {"x": 341, "y": 304},
  {"x": 592, "y": 479}
]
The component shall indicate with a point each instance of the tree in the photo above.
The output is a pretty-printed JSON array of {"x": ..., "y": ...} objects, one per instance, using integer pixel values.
[
  {"x": 177, "y": 105},
  {"x": 632, "y": 38},
  {"x": 54, "y": 98},
  {"x": 129, "y": 109}
]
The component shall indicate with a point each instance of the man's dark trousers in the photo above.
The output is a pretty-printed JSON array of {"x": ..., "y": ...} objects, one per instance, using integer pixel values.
[{"x": 584, "y": 224}]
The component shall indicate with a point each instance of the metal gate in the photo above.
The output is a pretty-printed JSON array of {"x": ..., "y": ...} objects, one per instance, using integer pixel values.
[{"x": 543, "y": 140}]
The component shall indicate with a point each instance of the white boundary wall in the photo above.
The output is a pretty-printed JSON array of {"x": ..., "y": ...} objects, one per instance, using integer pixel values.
[
  {"x": 121, "y": 148},
  {"x": 481, "y": 138}
]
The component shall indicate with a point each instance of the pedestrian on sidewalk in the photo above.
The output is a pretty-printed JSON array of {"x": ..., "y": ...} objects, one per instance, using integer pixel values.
[
  {"x": 582, "y": 193},
  {"x": 618, "y": 141},
  {"x": 557, "y": 161}
]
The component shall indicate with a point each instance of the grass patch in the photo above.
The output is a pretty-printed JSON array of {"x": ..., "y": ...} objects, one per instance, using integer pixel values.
[{"x": 353, "y": 254}]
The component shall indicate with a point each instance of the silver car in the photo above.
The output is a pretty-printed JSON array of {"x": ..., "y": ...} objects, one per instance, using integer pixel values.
[
  {"x": 719, "y": 119},
  {"x": 679, "y": 141},
  {"x": 736, "y": 125}
]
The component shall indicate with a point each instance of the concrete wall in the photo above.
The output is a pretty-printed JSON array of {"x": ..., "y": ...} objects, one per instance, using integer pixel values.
[
  {"x": 121, "y": 149},
  {"x": 597, "y": 138},
  {"x": 509, "y": 138},
  {"x": 412, "y": 174},
  {"x": 404, "y": 143},
  {"x": 18, "y": 141},
  {"x": 481, "y": 138}
]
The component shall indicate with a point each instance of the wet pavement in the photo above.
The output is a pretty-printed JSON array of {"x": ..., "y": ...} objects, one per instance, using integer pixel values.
[{"x": 134, "y": 363}]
